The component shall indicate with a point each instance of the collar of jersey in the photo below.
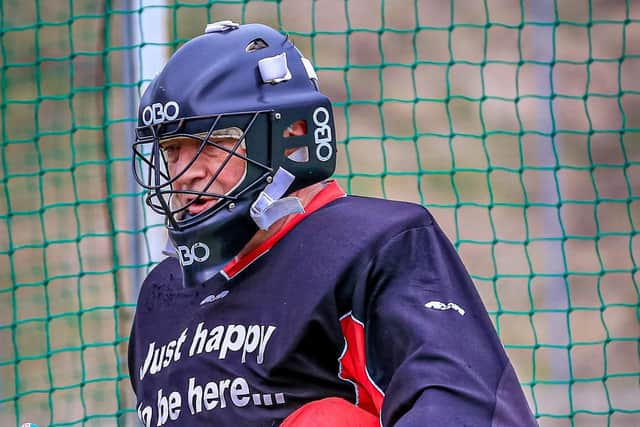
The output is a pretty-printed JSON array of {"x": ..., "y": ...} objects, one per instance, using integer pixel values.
[{"x": 329, "y": 193}]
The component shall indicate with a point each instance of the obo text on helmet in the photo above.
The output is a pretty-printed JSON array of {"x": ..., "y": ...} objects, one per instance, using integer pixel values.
[{"x": 322, "y": 134}]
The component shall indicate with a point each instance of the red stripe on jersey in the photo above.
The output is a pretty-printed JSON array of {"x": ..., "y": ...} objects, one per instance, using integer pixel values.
[
  {"x": 331, "y": 192},
  {"x": 353, "y": 366}
]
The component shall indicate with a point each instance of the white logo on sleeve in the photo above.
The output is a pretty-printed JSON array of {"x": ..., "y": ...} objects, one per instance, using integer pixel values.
[
  {"x": 212, "y": 297},
  {"x": 437, "y": 305}
]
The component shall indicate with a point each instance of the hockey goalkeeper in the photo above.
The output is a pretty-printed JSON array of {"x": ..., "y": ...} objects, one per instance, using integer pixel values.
[{"x": 284, "y": 301}]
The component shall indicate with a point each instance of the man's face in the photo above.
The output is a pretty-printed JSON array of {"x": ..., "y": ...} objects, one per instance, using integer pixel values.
[{"x": 180, "y": 152}]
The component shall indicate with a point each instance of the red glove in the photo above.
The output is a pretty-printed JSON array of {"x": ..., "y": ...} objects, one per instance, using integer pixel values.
[{"x": 330, "y": 412}]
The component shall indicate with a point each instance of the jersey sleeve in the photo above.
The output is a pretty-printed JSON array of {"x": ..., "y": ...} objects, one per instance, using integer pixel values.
[{"x": 431, "y": 348}]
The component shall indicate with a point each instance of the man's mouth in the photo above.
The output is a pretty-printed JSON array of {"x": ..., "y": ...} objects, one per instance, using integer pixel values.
[{"x": 197, "y": 205}]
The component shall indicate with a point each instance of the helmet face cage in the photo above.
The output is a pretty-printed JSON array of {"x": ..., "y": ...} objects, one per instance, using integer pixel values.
[{"x": 151, "y": 170}]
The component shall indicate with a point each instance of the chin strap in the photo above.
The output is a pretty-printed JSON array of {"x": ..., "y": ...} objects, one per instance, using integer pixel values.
[{"x": 269, "y": 207}]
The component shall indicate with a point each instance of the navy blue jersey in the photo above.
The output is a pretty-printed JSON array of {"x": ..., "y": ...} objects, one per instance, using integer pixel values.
[{"x": 358, "y": 298}]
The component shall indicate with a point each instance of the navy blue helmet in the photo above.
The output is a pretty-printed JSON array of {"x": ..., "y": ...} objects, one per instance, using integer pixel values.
[{"x": 247, "y": 83}]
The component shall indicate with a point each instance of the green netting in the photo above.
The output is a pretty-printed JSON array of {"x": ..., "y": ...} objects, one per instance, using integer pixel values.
[{"x": 516, "y": 123}]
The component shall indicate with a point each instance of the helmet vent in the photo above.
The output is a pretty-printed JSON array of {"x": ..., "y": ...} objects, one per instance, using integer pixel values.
[
  {"x": 299, "y": 154},
  {"x": 256, "y": 44}
]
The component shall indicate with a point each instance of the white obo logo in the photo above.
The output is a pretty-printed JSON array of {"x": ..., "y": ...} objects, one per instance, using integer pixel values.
[
  {"x": 322, "y": 134},
  {"x": 199, "y": 252},
  {"x": 157, "y": 112}
]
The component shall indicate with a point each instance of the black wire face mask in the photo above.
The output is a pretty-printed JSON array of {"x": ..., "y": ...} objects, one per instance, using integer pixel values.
[{"x": 167, "y": 193}]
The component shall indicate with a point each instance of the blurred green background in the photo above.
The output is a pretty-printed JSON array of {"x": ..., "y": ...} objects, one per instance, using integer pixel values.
[{"x": 517, "y": 123}]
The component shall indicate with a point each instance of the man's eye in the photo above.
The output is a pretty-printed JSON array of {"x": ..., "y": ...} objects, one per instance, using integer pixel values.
[
  {"x": 170, "y": 152},
  {"x": 215, "y": 151}
]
